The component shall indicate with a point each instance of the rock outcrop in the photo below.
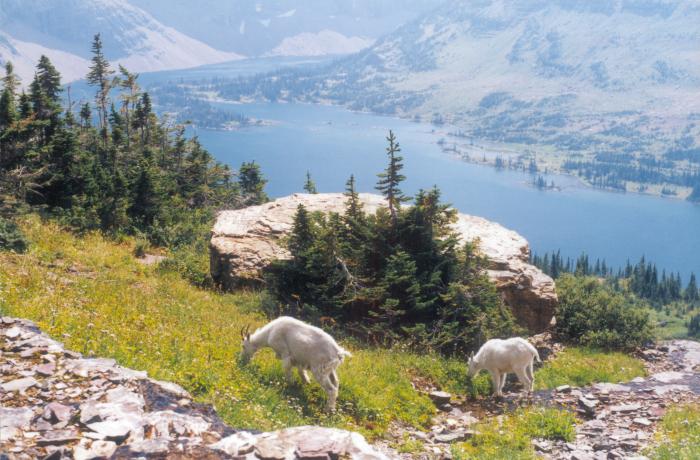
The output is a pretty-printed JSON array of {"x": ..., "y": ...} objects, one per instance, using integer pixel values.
[
  {"x": 56, "y": 404},
  {"x": 245, "y": 241}
]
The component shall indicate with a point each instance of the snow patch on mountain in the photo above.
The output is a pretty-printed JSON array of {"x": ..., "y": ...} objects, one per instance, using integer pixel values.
[
  {"x": 325, "y": 42},
  {"x": 63, "y": 30},
  {"x": 166, "y": 49},
  {"x": 25, "y": 55},
  {"x": 287, "y": 14}
]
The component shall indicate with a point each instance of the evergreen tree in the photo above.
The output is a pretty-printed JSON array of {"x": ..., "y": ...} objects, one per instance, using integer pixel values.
[
  {"x": 8, "y": 108},
  {"x": 99, "y": 75},
  {"x": 353, "y": 205},
  {"x": 252, "y": 184},
  {"x": 391, "y": 178},
  {"x": 309, "y": 185},
  {"x": 128, "y": 81},
  {"x": 691, "y": 291},
  {"x": 85, "y": 115},
  {"x": 301, "y": 237}
]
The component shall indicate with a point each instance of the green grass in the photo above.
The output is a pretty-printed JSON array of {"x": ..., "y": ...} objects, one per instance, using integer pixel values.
[
  {"x": 93, "y": 295},
  {"x": 510, "y": 436},
  {"x": 678, "y": 436},
  {"x": 582, "y": 366},
  {"x": 675, "y": 325}
]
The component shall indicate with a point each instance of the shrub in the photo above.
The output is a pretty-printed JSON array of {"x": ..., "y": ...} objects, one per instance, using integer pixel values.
[
  {"x": 140, "y": 248},
  {"x": 191, "y": 263},
  {"x": 592, "y": 314},
  {"x": 11, "y": 237},
  {"x": 694, "y": 326}
]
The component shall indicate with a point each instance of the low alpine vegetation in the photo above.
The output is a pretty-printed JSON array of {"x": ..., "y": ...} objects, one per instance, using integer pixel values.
[{"x": 592, "y": 314}]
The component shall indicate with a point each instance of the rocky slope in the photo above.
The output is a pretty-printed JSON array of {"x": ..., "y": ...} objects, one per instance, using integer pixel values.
[
  {"x": 56, "y": 404},
  {"x": 617, "y": 420},
  {"x": 245, "y": 241}
]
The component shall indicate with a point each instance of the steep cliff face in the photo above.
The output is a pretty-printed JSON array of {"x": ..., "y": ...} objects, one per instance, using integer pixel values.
[
  {"x": 245, "y": 241},
  {"x": 54, "y": 403}
]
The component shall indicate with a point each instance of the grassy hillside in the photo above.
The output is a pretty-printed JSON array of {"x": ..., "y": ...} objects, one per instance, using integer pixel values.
[{"x": 92, "y": 294}]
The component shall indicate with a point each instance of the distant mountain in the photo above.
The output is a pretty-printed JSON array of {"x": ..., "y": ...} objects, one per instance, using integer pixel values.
[
  {"x": 577, "y": 74},
  {"x": 63, "y": 30},
  {"x": 292, "y": 27}
]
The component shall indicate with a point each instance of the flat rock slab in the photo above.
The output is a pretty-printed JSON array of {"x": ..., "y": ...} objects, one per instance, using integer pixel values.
[{"x": 19, "y": 384}]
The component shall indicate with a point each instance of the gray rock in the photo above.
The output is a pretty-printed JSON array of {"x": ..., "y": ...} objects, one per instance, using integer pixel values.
[
  {"x": 564, "y": 389},
  {"x": 542, "y": 445},
  {"x": 611, "y": 387},
  {"x": 16, "y": 417},
  {"x": 626, "y": 408},
  {"x": 454, "y": 436},
  {"x": 13, "y": 332},
  {"x": 642, "y": 421},
  {"x": 45, "y": 370},
  {"x": 98, "y": 449},
  {"x": 241, "y": 443},
  {"x": 440, "y": 398},
  {"x": 58, "y": 437},
  {"x": 582, "y": 455},
  {"x": 588, "y": 405},
  {"x": 19, "y": 385},
  {"x": 56, "y": 412},
  {"x": 147, "y": 448},
  {"x": 668, "y": 377},
  {"x": 274, "y": 449},
  {"x": 116, "y": 431}
]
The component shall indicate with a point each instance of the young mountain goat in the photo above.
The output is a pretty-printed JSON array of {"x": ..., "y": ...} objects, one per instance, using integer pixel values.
[
  {"x": 302, "y": 346},
  {"x": 500, "y": 357}
]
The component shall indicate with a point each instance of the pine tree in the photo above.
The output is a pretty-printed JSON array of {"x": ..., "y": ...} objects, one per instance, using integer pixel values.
[
  {"x": 309, "y": 185},
  {"x": 301, "y": 237},
  {"x": 353, "y": 205},
  {"x": 252, "y": 184},
  {"x": 129, "y": 82},
  {"x": 99, "y": 76},
  {"x": 85, "y": 115},
  {"x": 401, "y": 291},
  {"x": 8, "y": 103},
  {"x": 691, "y": 291},
  {"x": 49, "y": 79},
  {"x": 391, "y": 178}
]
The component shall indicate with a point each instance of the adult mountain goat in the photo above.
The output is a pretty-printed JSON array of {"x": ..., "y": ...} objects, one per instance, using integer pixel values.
[
  {"x": 500, "y": 357},
  {"x": 302, "y": 346}
]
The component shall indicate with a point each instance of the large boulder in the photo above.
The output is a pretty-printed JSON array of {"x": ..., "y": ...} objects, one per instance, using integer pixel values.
[{"x": 245, "y": 241}]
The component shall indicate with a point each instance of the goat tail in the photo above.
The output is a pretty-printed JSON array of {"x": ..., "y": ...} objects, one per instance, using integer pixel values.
[
  {"x": 537, "y": 356},
  {"x": 342, "y": 353}
]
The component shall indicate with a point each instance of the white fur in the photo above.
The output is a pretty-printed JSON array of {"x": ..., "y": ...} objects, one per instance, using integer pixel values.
[
  {"x": 302, "y": 346},
  {"x": 500, "y": 357}
]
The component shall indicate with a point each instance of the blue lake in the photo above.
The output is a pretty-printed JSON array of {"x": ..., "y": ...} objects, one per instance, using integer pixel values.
[{"x": 333, "y": 143}]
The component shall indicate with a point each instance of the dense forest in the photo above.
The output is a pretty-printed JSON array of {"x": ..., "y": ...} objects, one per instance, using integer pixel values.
[
  {"x": 112, "y": 164},
  {"x": 642, "y": 283}
]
